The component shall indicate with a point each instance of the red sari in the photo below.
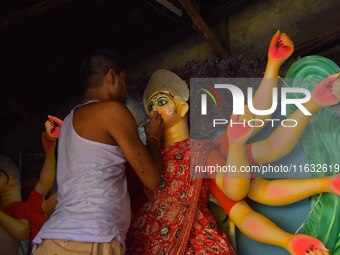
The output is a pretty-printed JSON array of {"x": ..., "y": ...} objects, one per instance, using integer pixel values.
[{"x": 176, "y": 220}]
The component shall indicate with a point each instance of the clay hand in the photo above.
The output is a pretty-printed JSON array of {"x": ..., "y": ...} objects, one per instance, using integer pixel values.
[
  {"x": 239, "y": 133},
  {"x": 334, "y": 184},
  {"x": 280, "y": 48},
  {"x": 327, "y": 92},
  {"x": 154, "y": 127},
  {"x": 52, "y": 126},
  {"x": 306, "y": 245}
]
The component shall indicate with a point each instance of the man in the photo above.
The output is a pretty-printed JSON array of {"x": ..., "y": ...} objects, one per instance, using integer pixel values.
[{"x": 96, "y": 138}]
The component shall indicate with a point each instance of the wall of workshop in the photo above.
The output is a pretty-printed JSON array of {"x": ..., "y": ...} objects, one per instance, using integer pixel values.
[
  {"x": 250, "y": 31},
  {"x": 194, "y": 47},
  {"x": 303, "y": 20},
  {"x": 247, "y": 32}
]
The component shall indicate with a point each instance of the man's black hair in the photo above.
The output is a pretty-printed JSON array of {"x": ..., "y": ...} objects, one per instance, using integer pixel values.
[{"x": 97, "y": 65}]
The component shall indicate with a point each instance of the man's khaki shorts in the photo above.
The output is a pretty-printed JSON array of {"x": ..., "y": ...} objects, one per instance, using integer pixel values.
[{"x": 64, "y": 247}]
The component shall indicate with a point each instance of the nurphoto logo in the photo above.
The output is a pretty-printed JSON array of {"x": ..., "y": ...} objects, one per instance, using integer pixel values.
[{"x": 217, "y": 91}]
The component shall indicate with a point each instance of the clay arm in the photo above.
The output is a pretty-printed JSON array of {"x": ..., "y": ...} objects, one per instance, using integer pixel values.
[
  {"x": 283, "y": 192},
  {"x": 280, "y": 143},
  {"x": 234, "y": 183},
  {"x": 261, "y": 229},
  {"x": 232, "y": 187},
  {"x": 17, "y": 228},
  {"x": 47, "y": 174},
  {"x": 275, "y": 192},
  {"x": 283, "y": 139},
  {"x": 280, "y": 49},
  {"x": 258, "y": 227}
]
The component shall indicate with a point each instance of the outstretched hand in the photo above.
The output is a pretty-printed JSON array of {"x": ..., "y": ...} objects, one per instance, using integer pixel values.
[
  {"x": 281, "y": 48},
  {"x": 306, "y": 245},
  {"x": 327, "y": 92},
  {"x": 52, "y": 126}
]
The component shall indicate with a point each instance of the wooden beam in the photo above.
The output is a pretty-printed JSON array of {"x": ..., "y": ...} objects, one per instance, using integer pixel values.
[
  {"x": 319, "y": 43},
  {"x": 204, "y": 28},
  {"x": 170, "y": 7},
  {"x": 30, "y": 12}
]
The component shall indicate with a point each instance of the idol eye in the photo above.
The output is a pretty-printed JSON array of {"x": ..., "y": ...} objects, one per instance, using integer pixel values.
[
  {"x": 162, "y": 101},
  {"x": 5, "y": 175},
  {"x": 151, "y": 106}
]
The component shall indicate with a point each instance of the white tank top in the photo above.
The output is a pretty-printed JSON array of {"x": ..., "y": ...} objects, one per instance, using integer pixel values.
[{"x": 93, "y": 201}]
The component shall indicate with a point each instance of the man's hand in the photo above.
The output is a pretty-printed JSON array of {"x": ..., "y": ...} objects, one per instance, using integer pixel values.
[
  {"x": 154, "y": 127},
  {"x": 280, "y": 48}
]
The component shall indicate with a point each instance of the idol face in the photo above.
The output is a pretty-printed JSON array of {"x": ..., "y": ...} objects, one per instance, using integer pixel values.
[{"x": 165, "y": 104}]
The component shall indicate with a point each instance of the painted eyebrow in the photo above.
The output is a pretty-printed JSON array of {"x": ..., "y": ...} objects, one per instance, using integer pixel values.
[
  {"x": 168, "y": 95},
  {"x": 161, "y": 97}
]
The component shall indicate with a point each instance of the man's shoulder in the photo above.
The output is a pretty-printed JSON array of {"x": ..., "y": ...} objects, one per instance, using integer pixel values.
[
  {"x": 105, "y": 109},
  {"x": 113, "y": 111},
  {"x": 112, "y": 106}
]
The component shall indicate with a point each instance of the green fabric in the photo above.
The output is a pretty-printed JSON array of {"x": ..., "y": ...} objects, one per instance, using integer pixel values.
[{"x": 321, "y": 142}]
